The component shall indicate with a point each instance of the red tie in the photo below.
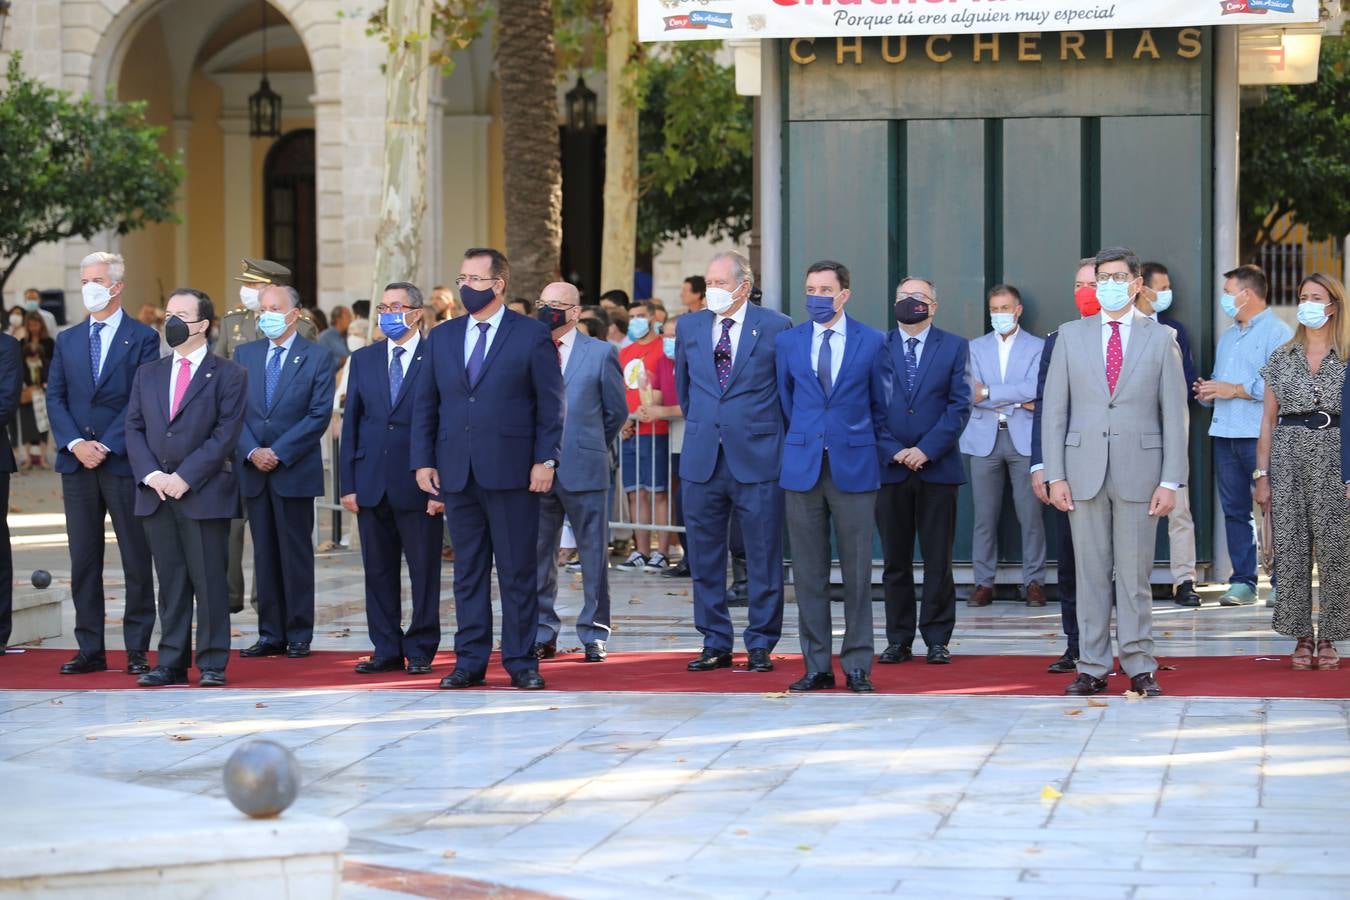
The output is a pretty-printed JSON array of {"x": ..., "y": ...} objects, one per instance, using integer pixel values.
[
  {"x": 1115, "y": 356},
  {"x": 179, "y": 389}
]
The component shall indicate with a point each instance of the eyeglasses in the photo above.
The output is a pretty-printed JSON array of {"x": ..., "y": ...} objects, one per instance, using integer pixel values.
[
  {"x": 554, "y": 304},
  {"x": 400, "y": 308},
  {"x": 914, "y": 296},
  {"x": 461, "y": 280},
  {"x": 1117, "y": 277}
]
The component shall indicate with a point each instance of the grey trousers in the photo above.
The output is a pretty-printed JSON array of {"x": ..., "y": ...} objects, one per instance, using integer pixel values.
[
  {"x": 987, "y": 476},
  {"x": 586, "y": 510},
  {"x": 809, "y": 514},
  {"x": 1181, "y": 538},
  {"x": 1114, "y": 535}
]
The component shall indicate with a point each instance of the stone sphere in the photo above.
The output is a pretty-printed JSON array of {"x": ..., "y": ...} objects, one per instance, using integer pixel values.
[
  {"x": 41, "y": 578},
  {"x": 262, "y": 778}
]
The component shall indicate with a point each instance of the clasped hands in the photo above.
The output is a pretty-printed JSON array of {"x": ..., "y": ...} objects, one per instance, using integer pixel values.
[
  {"x": 913, "y": 459},
  {"x": 169, "y": 487},
  {"x": 264, "y": 460}
]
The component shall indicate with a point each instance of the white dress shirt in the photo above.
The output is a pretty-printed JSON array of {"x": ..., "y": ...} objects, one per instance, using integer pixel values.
[
  {"x": 738, "y": 319},
  {"x": 194, "y": 359},
  {"x": 473, "y": 331},
  {"x": 1004, "y": 352},
  {"x": 105, "y": 344},
  {"x": 836, "y": 346},
  {"x": 569, "y": 341},
  {"x": 409, "y": 351}
]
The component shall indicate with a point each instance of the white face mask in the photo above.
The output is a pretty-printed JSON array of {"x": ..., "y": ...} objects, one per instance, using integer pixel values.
[
  {"x": 96, "y": 296},
  {"x": 249, "y": 297},
  {"x": 355, "y": 342},
  {"x": 16, "y": 321},
  {"x": 719, "y": 300}
]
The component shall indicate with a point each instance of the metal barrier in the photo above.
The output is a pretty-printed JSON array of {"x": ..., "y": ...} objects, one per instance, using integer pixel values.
[{"x": 645, "y": 517}]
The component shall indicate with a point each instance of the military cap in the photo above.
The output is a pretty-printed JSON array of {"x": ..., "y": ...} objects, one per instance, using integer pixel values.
[{"x": 264, "y": 271}]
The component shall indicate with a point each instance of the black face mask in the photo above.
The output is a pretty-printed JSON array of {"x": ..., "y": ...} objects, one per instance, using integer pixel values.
[
  {"x": 176, "y": 330},
  {"x": 910, "y": 311},
  {"x": 553, "y": 318}
]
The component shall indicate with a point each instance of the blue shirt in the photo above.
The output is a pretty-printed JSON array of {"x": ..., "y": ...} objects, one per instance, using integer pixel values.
[
  {"x": 473, "y": 331},
  {"x": 1242, "y": 351}
]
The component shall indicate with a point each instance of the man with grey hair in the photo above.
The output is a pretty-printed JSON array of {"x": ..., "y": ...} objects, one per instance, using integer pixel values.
[
  {"x": 88, "y": 389},
  {"x": 726, "y": 378},
  {"x": 290, "y": 402}
]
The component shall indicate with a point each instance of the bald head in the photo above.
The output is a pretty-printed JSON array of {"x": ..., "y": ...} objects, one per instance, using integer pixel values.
[
  {"x": 560, "y": 307},
  {"x": 560, "y": 293}
]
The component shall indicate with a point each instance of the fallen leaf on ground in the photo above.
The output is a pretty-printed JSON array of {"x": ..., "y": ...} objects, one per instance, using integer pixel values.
[
  {"x": 572, "y": 650},
  {"x": 741, "y": 831},
  {"x": 1134, "y": 695},
  {"x": 774, "y": 695},
  {"x": 260, "y": 706},
  {"x": 1167, "y": 634},
  {"x": 90, "y": 737},
  {"x": 1033, "y": 850},
  {"x": 235, "y": 632},
  {"x": 57, "y": 702},
  {"x": 552, "y": 708},
  {"x": 1050, "y": 793},
  {"x": 634, "y": 601},
  {"x": 1092, "y": 702},
  {"x": 449, "y": 854},
  {"x": 179, "y": 737},
  {"x": 1073, "y": 712},
  {"x": 1167, "y": 668},
  {"x": 804, "y": 847},
  {"x": 677, "y": 593}
]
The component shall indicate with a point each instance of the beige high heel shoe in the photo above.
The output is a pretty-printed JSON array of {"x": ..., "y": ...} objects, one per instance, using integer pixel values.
[
  {"x": 1327, "y": 657},
  {"x": 1302, "y": 660}
]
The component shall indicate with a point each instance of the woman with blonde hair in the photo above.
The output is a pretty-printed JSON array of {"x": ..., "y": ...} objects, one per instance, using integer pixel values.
[{"x": 1298, "y": 474}]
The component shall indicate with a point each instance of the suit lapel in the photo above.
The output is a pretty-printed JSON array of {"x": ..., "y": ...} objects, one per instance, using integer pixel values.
[
  {"x": 700, "y": 350},
  {"x": 498, "y": 341},
  {"x": 1096, "y": 352},
  {"x": 579, "y": 350},
  {"x": 161, "y": 383},
  {"x": 117, "y": 349},
  {"x": 745, "y": 346},
  {"x": 290, "y": 363},
  {"x": 1140, "y": 336},
  {"x": 928, "y": 350},
  {"x": 806, "y": 337},
  {"x": 851, "y": 341},
  {"x": 205, "y": 372},
  {"x": 414, "y": 365},
  {"x": 82, "y": 358},
  {"x": 456, "y": 335}
]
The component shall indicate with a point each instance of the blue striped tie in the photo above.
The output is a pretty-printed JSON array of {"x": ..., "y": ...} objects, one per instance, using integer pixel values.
[{"x": 95, "y": 348}]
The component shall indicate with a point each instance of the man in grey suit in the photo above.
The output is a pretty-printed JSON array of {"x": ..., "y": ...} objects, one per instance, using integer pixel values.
[
  {"x": 596, "y": 409},
  {"x": 1002, "y": 370},
  {"x": 1114, "y": 425}
]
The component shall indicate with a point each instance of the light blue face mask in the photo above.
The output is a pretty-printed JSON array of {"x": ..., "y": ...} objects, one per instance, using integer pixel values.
[
  {"x": 1229, "y": 304},
  {"x": 1003, "y": 323},
  {"x": 272, "y": 324},
  {"x": 1162, "y": 301},
  {"x": 668, "y": 345},
  {"x": 1112, "y": 295},
  {"x": 638, "y": 328},
  {"x": 1312, "y": 314}
]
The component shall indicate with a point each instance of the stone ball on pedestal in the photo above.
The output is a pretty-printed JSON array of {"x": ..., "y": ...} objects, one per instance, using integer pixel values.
[{"x": 262, "y": 778}]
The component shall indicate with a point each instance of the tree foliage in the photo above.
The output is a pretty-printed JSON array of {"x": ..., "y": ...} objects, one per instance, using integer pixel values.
[
  {"x": 1296, "y": 156},
  {"x": 74, "y": 168},
  {"x": 696, "y": 137}
]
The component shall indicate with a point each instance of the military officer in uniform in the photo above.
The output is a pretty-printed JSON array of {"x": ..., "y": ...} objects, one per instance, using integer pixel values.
[{"x": 239, "y": 326}]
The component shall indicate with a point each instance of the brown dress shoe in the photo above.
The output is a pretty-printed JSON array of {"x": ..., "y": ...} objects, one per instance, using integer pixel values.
[
  {"x": 1035, "y": 595},
  {"x": 981, "y": 596}
]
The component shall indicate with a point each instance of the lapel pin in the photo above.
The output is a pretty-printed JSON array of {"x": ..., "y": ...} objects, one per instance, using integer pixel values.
[
  {"x": 208, "y": 374},
  {"x": 296, "y": 360},
  {"x": 754, "y": 332}
]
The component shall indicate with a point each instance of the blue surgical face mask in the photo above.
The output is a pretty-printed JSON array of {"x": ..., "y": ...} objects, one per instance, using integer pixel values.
[
  {"x": 1230, "y": 305},
  {"x": 820, "y": 309},
  {"x": 638, "y": 328},
  {"x": 272, "y": 324},
  {"x": 1312, "y": 314},
  {"x": 1162, "y": 301},
  {"x": 668, "y": 345},
  {"x": 30, "y": 305},
  {"x": 1003, "y": 323},
  {"x": 1113, "y": 296},
  {"x": 393, "y": 325}
]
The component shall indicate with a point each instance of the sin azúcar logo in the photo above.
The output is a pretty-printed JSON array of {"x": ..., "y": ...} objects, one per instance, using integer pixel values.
[
  {"x": 1256, "y": 7},
  {"x": 698, "y": 21}
]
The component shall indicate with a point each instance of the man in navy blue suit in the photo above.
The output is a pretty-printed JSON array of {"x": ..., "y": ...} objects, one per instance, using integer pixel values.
[
  {"x": 290, "y": 402},
  {"x": 183, "y": 422},
  {"x": 394, "y": 517},
  {"x": 727, "y": 381},
  {"x": 834, "y": 397},
  {"x": 921, "y": 471},
  {"x": 87, "y": 390},
  {"x": 487, "y": 435},
  {"x": 11, "y": 385}
]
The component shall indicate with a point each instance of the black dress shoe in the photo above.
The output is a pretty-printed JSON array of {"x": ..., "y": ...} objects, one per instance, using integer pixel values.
[
  {"x": 528, "y": 680},
  {"x": 896, "y": 653},
  {"x": 263, "y": 648},
  {"x": 1186, "y": 595},
  {"x": 378, "y": 664},
  {"x": 596, "y": 652},
  {"x": 297, "y": 650},
  {"x": 461, "y": 678},
  {"x": 679, "y": 570},
  {"x": 759, "y": 661},
  {"x": 813, "y": 681},
  {"x": 162, "y": 676},
  {"x": 211, "y": 678},
  {"x": 137, "y": 664},
  {"x": 83, "y": 665},
  {"x": 1085, "y": 685},
  {"x": 1066, "y": 664},
  {"x": 859, "y": 682},
  {"x": 939, "y": 655},
  {"x": 419, "y": 666},
  {"x": 1144, "y": 683},
  {"x": 544, "y": 649},
  {"x": 709, "y": 660}
]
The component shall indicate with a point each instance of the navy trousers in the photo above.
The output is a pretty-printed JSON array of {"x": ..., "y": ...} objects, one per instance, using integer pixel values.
[
  {"x": 388, "y": 536},
  {"x": 283, "y": 564},
  {"x": 1068, "y": 581}
]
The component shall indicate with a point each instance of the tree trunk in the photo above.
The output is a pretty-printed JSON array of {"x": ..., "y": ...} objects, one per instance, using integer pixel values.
[
  {"x": 619, "y": 243},
  {"x": 403, "y": 191},
  {"x": 532, "y": 170}
]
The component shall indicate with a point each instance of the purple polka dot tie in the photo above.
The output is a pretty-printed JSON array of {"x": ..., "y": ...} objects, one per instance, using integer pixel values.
[
  {"x": 722, "y": 354},
  {"x": 1115, "y": 356}
]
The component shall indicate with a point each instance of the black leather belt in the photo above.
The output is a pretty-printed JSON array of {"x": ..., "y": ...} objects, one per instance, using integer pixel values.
[
  {"x": 1002, "y": 424},
  {"x": 1319, "y": 421}
]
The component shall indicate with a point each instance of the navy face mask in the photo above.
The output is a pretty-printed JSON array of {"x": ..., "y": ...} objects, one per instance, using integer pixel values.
[
  {"x": 553, "y": 318},
  {"x": 474, "y": 299},
  {"x": 820, "y": 309}
]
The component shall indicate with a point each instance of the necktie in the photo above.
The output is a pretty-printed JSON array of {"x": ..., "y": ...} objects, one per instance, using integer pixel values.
[
  {"x": 475, "y": 365},
  {"x": 95, "y": 348},
  {"x": 179, "y": 389},
  {"x": 395, "y": 375},
  {"x": 722, "y": 354},
  {"x": 558, "y": 344},
  {"x": 825, "y": 362},
  {"x": 911, "y": 363},
  {"x": 1115, "y": 356},
  {"x": 273, "y": 374}
]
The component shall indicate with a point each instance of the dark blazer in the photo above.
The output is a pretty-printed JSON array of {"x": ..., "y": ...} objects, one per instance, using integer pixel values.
[
  {"x": 292, "y": 426},
  {"x": 1184, "y": 345},
  {"x": 1037, "y": 457},
  {"x": 746, "y": 420},
  {"x": 376, "y": 438},
  {"x": 198, "y": 444},
  {"x": 500, "y": 427},
  {"x": 934, "y": 415},
  {"x": 11, "y": 385},
  {"x": 848, "y": 421},
  {"x": 78, "y": 408}
]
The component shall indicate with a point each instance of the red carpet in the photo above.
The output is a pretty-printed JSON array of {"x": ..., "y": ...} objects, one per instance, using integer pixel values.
[{"x": 659, "y": 672}]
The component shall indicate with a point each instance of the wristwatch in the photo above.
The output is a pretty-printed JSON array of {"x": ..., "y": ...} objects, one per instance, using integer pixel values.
[
  {"x": 551, "y": 463},
  {"x": 1259, "y": 474},
  {"x": 984, "y": 392}
]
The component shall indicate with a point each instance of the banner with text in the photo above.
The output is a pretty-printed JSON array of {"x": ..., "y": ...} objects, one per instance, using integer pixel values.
[{"x": 701, "y": 20}]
